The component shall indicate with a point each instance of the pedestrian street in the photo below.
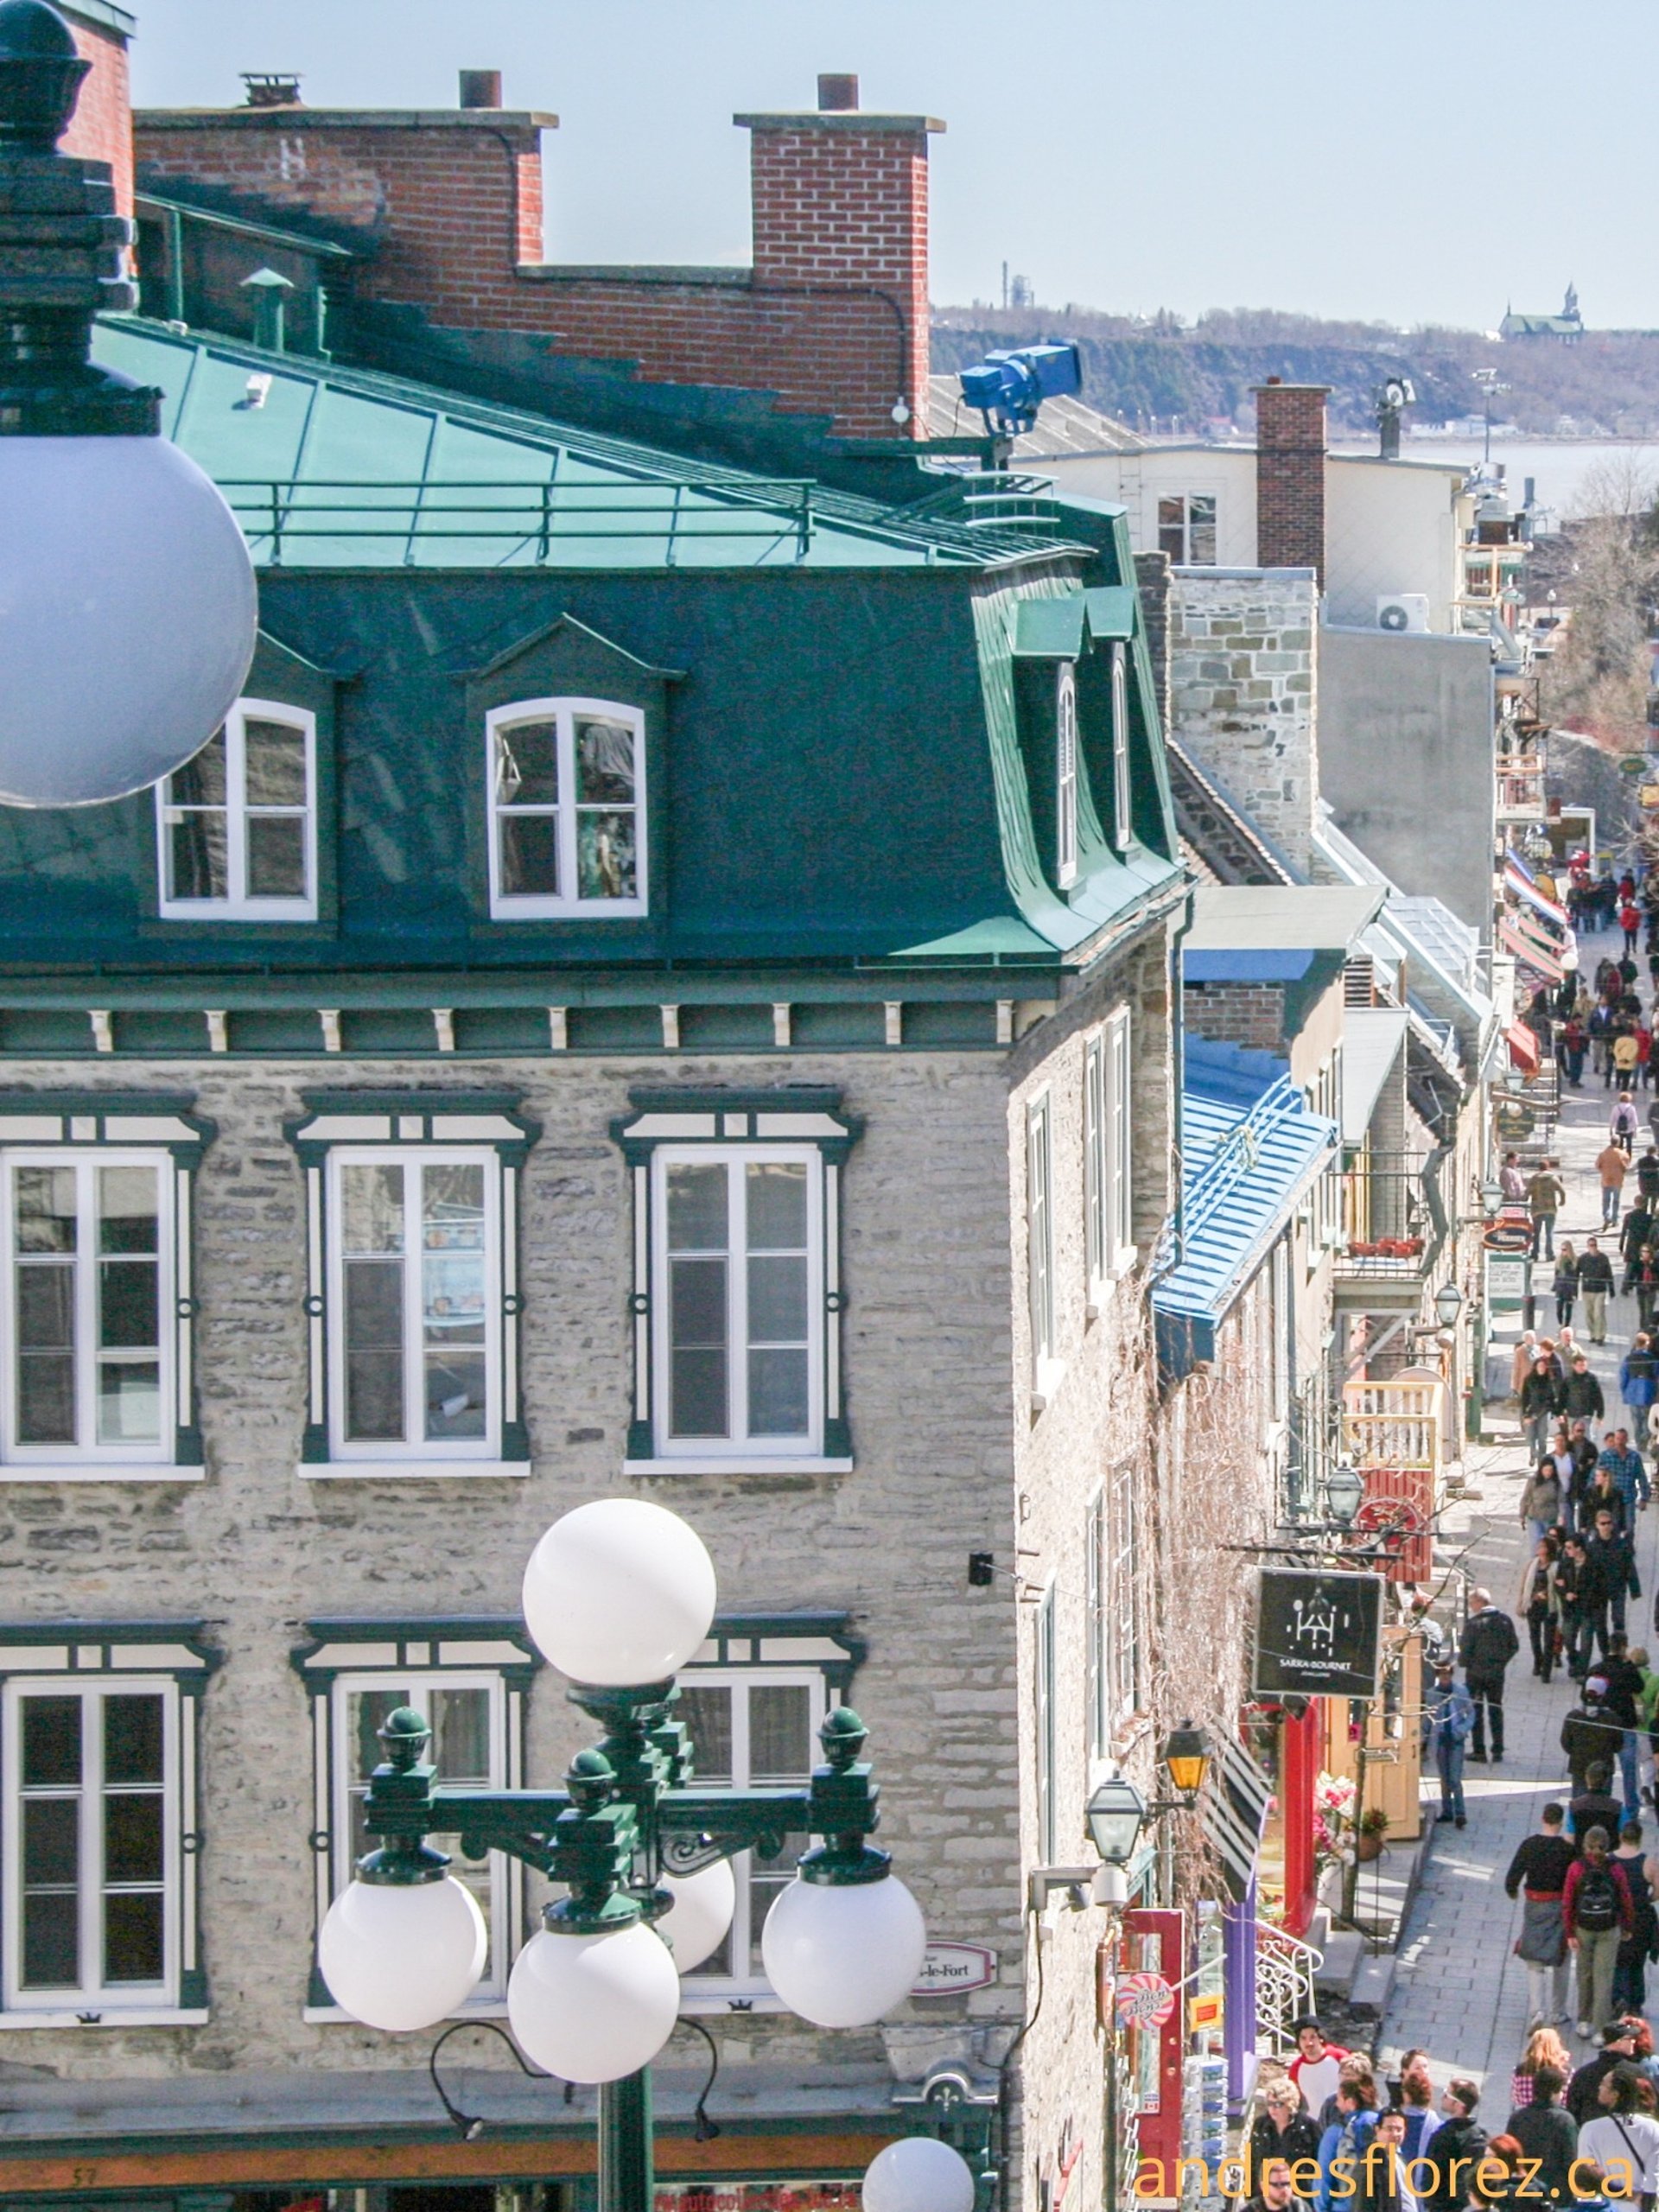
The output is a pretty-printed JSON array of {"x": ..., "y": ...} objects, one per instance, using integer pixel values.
[{"x": 1459, "y": 1990}]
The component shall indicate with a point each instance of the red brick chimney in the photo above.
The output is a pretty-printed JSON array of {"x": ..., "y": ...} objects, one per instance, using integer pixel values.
[
  {"x": 832, "y": 319},
  {"x": 1290, "y": 475},
  {"x": 101, "y": 128}
]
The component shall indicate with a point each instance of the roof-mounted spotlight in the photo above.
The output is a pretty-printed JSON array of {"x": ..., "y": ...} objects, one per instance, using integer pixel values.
[{"x": 1007, "y": 389}]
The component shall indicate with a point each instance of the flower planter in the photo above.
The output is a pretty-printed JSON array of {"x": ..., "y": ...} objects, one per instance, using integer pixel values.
[{"x": 1367, "y": 1847}]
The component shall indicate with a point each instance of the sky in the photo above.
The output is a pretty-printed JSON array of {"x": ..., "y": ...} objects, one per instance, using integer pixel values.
[{"x": 1402, "y": 160}]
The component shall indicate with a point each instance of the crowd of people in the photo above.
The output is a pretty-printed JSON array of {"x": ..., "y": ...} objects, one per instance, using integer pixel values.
[{"x": 1333, "y": 2133}]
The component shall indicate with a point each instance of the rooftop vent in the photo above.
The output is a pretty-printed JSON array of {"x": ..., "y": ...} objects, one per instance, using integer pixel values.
[
  {"x": 481, "y": 88},
  {"x": 838, "y": 95},
  {"x": 268, "y": 88}
]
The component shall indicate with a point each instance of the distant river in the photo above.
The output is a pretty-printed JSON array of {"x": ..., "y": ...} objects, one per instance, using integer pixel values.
[{"x": 1561, "y": 466}]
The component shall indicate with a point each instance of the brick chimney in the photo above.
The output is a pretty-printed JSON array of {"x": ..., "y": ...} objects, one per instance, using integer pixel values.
[
  {"x": 1290, "y": 475},
  {"x": 101, "y": 128}
]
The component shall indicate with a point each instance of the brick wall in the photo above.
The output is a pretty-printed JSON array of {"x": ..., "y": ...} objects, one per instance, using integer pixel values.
[
  {"x": 1237, "y": 1014},
  {"x": 832, "y": 318},
  {"x": 101, "y": 128},
  {"x": 1290, "y": 476}
]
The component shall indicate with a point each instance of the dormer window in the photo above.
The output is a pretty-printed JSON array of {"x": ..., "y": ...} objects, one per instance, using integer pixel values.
[
  {"x": 1122, "y": 808},
  {"x": 1065, "y": 811},
  {"x": 567, "y": 809},
  {"x": 237, "y": 826}
]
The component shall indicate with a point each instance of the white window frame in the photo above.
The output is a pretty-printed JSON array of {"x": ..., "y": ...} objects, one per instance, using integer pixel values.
[
  {"x": 541, "y": 905},
  {"x": 1280, "y": 1321},
  {"x": 1123, "y": 788},
  {"x": 739, "y": 1443},
  {"x": 1065, "y": 771},
  {"x": 1107, "y": 1155},
  {"x": 121, "y": 2003},
  {"x": 1045, "y": 1730},
  {"x": 717, "y": 1992},
  {"x": 1186, "y": 525},
  {"x": 238, "y": 906},
  {"x": 124, "y": 1459},
  {"x": 490, "y": 1998},
  {"x": 386, "y": 1456},
  {"x": 1041, "y": 1302},
  {"x": 1117, "y": 1656}
]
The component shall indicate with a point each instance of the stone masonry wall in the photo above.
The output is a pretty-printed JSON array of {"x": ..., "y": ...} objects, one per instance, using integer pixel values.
[
  {"x": 1243, "y": 694},
  {"x": 255, "y": 1549}
]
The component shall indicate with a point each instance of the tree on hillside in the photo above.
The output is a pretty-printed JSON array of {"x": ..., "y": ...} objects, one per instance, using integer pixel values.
[{"x": 1597, "y": 680}]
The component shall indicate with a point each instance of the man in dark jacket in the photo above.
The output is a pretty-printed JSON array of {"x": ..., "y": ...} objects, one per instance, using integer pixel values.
[
  {"x": 1636, "y": 1232},
  {"x": 1581, "y": 1398},
  {"x": 1584, "y": 2090},
  {"x": 1456, "y": 2148},
  {"x": 1590, "y": 1736},
  {"x": 1595, "y": 1807},
  {"x": 1547, "y": 2133},
  {"x": 1488, "y": 1643},
  {"x": 1610, "y": 1554},
  {"x": 1596, "y": 1283}
]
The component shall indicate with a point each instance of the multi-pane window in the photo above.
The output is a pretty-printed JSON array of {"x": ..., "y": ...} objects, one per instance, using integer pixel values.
[
  {"x": 751, "y": 1728},
  {"x": 1107, "y": 1133},
  {"x": 567, "y": 808},
  {"x": 1122, "y": 796},
  {"x": 90, "y": 1371},
  {"x": 1046, "y": 1742},
  {"x": 466, "y": 1713},
  {"x": 237, "y": 823},
  {"x": 1115, "y": 1657},
  {"x": 415, "y": 1302},
  {"x": 1065, "y": 717},
  {"x": 1186, "y": 528},
  {"x": 740, "y": 1262},
  {"x": 91, "y": 1876},
  {"x": 1039, "y": 1235}
]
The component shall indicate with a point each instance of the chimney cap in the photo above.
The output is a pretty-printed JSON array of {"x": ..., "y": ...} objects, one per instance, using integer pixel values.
[
  {"x": 837, "y": 94},
  {"x": 481, "y": 88},
  {"x": 271, "y": 88}
]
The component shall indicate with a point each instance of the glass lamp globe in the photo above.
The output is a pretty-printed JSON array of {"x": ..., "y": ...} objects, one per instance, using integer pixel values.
[
  {"x": 843, "y": 1955},
  {"x": 402, "y": 1955},
  {"x": 619, "y": 1593},
  {"x": 127, "y": 615},
  {"x": 594, "y": 2008},
  {"x": 696, "y": 1924},
  {"x": 917, "y": 2174}
]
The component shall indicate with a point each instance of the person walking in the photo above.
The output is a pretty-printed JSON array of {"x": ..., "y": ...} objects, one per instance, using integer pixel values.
[
  {"x": 1595, "y": 1285},
  {"x": 1642, "y": 1944},
  {"x": 1547, "y": 2133},
  {"x": 1544, "y": 2048},
  {"x": 1511, "y": 1181},
  {"x": 1581, "y": 1394},
  {"x": 1612, "y": 1168},
  {"x": 1576, "y": 1590},
  {"x": 1618, "y": 2048},
  {"x": 1448, "y": 1718},
  {"x": 1488, "y": 1643},
  {"x": 1284, "y": 2128},
  {"x": 1626, "y": 1057},
  {"x": 1634, "y": 1232},
  {"x": 1597, "y": 1808},
  {"x": 1543, "y": 1397},
  {"x": 1574, "y": 1042},
  {"x": 1623, "y": 1463},
  {"x": 1622, "y": 1699},
  {"x": 1564, "y": 1285},
  {"x": 1623, "y": 1122},
  {"x": 1539, "y": 1869},
  {"x": 1647, "y": 1174},
  {"x": 1317, "y": 2067},
  {"x": 1460, "y": 2146},
  {"x": 1541, "y": 1499},
  {"x": 1595, "y": 1911},
  {"x": 1537, "y": 1605},
  {"x": 1546, "y": 1196},
  {"x": 1622, "y": 2139},
  {"x": 1638, "y": 1382},
  {"x": 1612, "y": 1556}
]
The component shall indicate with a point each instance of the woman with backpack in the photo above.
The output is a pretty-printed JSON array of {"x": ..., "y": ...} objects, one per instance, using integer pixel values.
[
  {"x": 1597, "y": 1913},
  {"x": 1565, "y": 1288},
  {"x": 1624, "y": 1121}
]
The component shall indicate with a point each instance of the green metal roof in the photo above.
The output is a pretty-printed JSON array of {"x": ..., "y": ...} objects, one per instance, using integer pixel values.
[{"x": 328, "y": 467}]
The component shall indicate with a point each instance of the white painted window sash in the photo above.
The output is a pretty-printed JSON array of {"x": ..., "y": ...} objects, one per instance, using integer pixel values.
[
  {"x": 564, "y": 712},
  {"x": 240, "y": 904}
]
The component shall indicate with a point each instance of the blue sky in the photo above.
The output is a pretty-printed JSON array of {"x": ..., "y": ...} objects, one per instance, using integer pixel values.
[{"x": 1407, "y": 160}]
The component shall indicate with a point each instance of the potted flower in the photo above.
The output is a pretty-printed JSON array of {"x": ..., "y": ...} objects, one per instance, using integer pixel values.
[{"x": 1373, "y": 1829}]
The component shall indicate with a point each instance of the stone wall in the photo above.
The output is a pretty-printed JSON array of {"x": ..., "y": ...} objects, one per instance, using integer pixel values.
[{"x": 1243, "y": 694}]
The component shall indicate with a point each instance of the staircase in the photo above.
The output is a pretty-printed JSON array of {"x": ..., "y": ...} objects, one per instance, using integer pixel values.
[{"x": 1285, "y": 1967}]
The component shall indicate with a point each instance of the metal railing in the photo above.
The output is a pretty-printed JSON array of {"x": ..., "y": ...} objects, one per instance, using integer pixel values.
[
  {"x": 1285, "y": 1967},
  {"x": 1393, "y": 1214},
  {"x": 1519, "y": 786},
  {"x": 527, "y": 520}
]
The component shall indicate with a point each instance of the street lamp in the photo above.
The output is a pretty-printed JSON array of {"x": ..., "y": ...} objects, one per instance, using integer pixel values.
[
  {"x": 1448, "y": 1304},
  {"x": 619, "y": 1595},
  {"x": 1344, "y": 1492},
  {"x": 1186, "y": 1761},
  {"x": 1115, "y": 1814},
  {"x": 127, "y": 599}
]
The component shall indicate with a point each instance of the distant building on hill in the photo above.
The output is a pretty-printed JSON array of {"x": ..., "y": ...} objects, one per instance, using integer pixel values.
[{"x": 1568, "y": 326}]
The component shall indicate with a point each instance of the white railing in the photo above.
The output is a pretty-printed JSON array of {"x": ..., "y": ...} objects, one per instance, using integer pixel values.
[{"x": 1285, "y": 1967}]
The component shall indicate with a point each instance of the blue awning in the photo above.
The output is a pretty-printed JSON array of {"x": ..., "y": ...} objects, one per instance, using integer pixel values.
[{"x": 1245, "y": 1169}]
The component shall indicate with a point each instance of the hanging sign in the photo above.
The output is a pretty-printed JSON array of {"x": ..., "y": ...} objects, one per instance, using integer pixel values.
[
  {"x": 1204, "y": 2012},
  {"x": 1144, "y": 2000},
  {"x": 1317, "y": 1634},
  {"x": 947, "y": 1967}
]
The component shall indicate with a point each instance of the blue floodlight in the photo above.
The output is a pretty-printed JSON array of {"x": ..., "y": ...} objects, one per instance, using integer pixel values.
[{"x": 1009, "y": 388}]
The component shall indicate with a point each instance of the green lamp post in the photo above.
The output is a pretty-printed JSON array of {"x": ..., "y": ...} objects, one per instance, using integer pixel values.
[{"x": 619, "y": 1595}]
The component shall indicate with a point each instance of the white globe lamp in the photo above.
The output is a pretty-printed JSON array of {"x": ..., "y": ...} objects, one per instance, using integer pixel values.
[
  {"x": 619, "y": 1593},
  {"x": 593, "y": 2007},
  {"x": 842, "y": 1954},
  {"x": 917, "y": 2174},
  {"x": 696, "y": 1924},
  {"x": 401, "y": 1955},
  {"x": 127, "y": 599}
]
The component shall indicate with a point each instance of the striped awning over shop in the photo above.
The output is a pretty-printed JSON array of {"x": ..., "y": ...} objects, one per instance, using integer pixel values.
[
  {"x": 1542, "y": 963},
  {"x": 1235, "y": 1806}
]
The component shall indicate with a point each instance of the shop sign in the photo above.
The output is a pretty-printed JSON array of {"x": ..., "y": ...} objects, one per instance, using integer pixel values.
[
  {"x": 1205, "y": 2013},
  {"x": 1317, "y": 1634},
  {"x": 1506, "y": 1282},
  {"x": 947, "y": 1967},
  {"x": 757, "y": 2197},
  {"x": 1144, "y": 2000}
]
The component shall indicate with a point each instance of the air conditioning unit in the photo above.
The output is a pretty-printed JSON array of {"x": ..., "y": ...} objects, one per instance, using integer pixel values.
[{"x": 1402, "y": 610}]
